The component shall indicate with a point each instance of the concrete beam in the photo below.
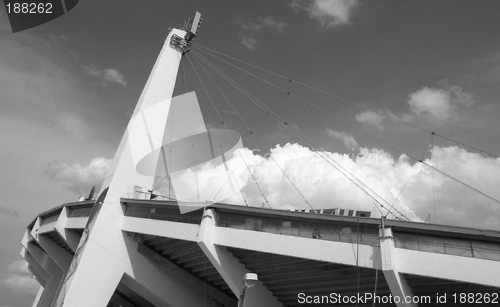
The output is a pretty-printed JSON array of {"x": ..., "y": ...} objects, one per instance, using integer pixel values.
[
  {"x": 396, "y": 281},
  {"x": 38, "y": 297},
  {"x": 38, "y": 271},
  {"x": 318, "y": 250},
  {"x": 55, "y": 251},
  {"x": 64, "y": 227},
  {"x": 472, "y": 270},
  {"x": 36, "y": 228},
  {"x": 181, "y": 231},
  {"x": 229, "y": 267},
  {"x": 72, "y": 238},
  {"x": 52, "y": 269}
]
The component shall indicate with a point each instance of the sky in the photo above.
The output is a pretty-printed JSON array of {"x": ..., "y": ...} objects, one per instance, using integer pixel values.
[{"x": 69, "y": 87}]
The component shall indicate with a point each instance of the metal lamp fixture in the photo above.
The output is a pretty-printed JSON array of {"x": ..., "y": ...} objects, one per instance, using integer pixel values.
[{"x": 249, "y": 281}]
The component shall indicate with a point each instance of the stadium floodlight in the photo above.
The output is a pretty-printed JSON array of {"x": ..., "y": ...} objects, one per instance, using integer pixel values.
[{"x": 249, "y": 281}]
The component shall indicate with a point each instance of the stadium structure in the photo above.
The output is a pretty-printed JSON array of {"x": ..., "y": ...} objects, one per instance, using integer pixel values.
[{"x": 134, "y": 246}]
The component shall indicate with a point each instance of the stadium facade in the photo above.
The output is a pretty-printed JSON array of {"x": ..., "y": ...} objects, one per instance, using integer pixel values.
[{"x": 132, "y": 247}]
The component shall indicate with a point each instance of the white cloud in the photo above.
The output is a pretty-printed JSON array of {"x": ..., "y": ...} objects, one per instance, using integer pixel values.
[
  {"x": 329, "y": 13},
  {"x": 346, "y": 138},
  {"x": 20, "y": 279},
  {"x": 325, "y": 187},
  {"x": 78, "y": 178},
  {"x": 249, "y": 43},
  {"x": 454, "y": 203},
  {"x": 270, "y": 22},
  {"x": 371, "y": 118},
  {"x": 106, "y": 76},
  {"x": 429, "y": 101},
  {"x": 261, "y": 23},
  {"x": 439, "y": 104},
  {"x": 321, "y": 183}
]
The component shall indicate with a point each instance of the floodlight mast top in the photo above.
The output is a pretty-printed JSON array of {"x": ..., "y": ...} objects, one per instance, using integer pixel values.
[{"x": 192, "y": 25}]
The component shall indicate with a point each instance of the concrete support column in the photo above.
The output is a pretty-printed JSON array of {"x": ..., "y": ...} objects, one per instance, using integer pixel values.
[
  {"x": 38, "y": 271},
  {"x": 71, "y": 238},
  {"x": 56, "y": 252},
  {"x": 52, "y": 269},
  {"x": 229, "y": 267},
  {"x": 395, "y": 280},
  {"x": 38, "y": 296}
]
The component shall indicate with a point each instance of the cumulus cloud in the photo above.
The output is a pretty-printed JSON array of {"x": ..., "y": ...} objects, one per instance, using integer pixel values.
[
  {"x": 249, "y": 43},
  {"x": 370, "y": 118},
  {"x": 346, "y": 138},
  {"x": 439, "y": 104},
  {"x": 415, "y": 189},
  {"x": 105, "y": 76},
  {"x": 329, "y": 13},
  {"x": 320, "y": 180},
  {"x": 77, "y": 178},
  {"x": 454, "y": 203},
  {"x": 261, "y": 23},
  {"x": 19, "y": 279}
]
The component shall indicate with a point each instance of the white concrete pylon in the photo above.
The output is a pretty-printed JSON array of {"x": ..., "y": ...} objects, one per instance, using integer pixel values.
[{"x": 105, "y": 254}]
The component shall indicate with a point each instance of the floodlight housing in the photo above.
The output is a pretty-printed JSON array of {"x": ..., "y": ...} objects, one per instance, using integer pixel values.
[{"x": 250, "y": 280}]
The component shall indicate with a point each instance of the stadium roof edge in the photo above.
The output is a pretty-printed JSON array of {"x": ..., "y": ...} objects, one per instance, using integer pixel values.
[
  {"x": 401, "y": 226},
  {"x": 55, "y": 209}
]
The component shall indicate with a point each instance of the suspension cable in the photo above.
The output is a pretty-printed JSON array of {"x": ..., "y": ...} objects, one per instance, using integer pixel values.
[
  {"x": 409, "y": 177},
  {"x": 336, "y": 117},
  {"x": 246, "y": 164},
  {"x": 248, "y": 128},
  {"x": 328, "y": 159},
  {"x": 283, "y": 123},
  {"x": 394, "y": 118},
  {"x": 316, "y": 107},
  {"x": 433, "y": 184}
]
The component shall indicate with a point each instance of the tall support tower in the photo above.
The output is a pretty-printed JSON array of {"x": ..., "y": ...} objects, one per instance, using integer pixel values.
[{"x": 107, "y": 258}]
